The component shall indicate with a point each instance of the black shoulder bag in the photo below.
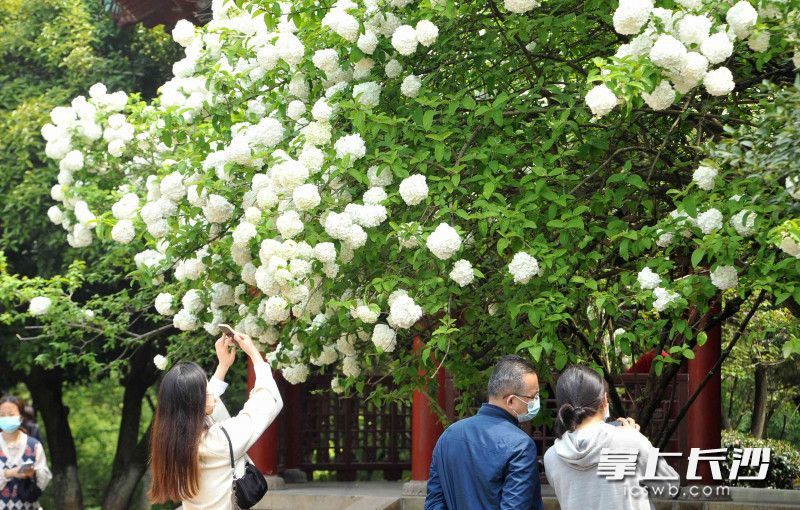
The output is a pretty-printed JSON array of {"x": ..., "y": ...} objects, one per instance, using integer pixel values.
[{"x": 250, "y": 488}]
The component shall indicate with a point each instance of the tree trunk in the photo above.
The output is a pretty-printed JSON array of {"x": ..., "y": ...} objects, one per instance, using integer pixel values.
[
  {"x": 131, "y": 456},
  {"x": 46, "y": 389},
  {"x": 759, "y": 416}
]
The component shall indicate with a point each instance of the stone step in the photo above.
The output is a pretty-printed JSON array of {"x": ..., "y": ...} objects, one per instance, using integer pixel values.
[{"x": 286, "y": 500}]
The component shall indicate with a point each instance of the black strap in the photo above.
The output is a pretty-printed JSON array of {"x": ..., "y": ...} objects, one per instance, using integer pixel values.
[{"x": 230, "y": 444}]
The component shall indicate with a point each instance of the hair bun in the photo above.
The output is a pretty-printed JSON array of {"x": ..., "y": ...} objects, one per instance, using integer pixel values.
[{"x": 566, "y": 413}]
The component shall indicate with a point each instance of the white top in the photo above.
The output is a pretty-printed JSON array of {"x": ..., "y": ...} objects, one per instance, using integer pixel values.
[
  {"x": 261, "y": 409},
  {"x": 14, "y": 453},
  {"x": 571, "y": 466}
]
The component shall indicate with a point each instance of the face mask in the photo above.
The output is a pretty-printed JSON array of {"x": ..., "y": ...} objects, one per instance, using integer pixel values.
[
  {"x": 533, "y": 410},
  {"x": 607, "y": 413},
  {"x": 10, "y": 423}
]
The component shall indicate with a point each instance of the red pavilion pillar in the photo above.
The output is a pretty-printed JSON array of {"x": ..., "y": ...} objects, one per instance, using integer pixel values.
[
  {"x": 704, "y": 417},
  {"x": 425, "y": 430},
  {"x": 264, "y": 453}
]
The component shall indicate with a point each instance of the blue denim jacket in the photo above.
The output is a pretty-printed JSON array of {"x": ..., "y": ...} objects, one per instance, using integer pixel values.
[{"x": 484, "y": 462}]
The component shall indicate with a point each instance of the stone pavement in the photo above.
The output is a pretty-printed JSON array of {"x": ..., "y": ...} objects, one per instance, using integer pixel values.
[{"x": 389, "y": 496}]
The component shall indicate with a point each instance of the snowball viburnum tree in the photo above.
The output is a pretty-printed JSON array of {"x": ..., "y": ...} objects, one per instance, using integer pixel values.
[{"x": 337, "y": 180}]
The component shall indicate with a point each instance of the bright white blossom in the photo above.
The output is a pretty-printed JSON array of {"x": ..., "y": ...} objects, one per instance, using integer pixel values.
[
  {"x": 520, "y": 6},
  {"x": 631, "y": 15},
  {"x": 709, "y": 221},
  {"x": 403, "y": 312},
  {"x": 663, "y": 298},
  {"x": 719, "y": 82},
  {"x": 404, "y": 40},
  {"x": 350, "y": 145},
  {"x": 367, "y": 93},
  {"x": 410, "y": 86},
  {"x": 648, "y": 279},
  {"x": 384, "y": 338},
  {"x": 161, "y": 362},
  {"x": 426, "y": 32},
  {"x": 163, "y": 303},
  {"x": 367, "y": 42},
  {"x": 523, "y": 267},
  {"x": 601, "y": 100},
  {"x": 183, "y": 33},
  {"x": 123, "y": 232},
  {"x": 669, "y": 53},
  {"x": 717, "y": 48},
  {"x": 744, "y": 222},
  {"x": 742, "y": 18},
  {"x": 462, "y": 273},
  {"x": 444, "y": 241},
  {"x": 694, "y": 29},
  {"x": 704, "y": 177},
  {"x": 39, "y": 305},
  {"x": 414, "y": 189}
]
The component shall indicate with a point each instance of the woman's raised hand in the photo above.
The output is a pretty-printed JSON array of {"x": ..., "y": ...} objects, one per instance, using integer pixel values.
[
  {"x": 226, "y": 351},
  {"x": 247, "y": 345}
]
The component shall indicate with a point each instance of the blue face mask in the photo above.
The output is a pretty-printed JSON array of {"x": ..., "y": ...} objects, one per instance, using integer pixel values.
[
  {"x": 10, "y": 423},
  {"x": 533, "y": 410}
]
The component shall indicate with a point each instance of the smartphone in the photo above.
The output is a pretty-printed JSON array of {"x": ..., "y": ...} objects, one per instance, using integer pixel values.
[
  {"x": 226, "y": 330},
  {"x": 25, "y": 468},
  {"x": 613, "y": 422}
]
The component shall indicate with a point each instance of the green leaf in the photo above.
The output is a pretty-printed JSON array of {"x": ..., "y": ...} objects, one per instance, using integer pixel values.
[
  {"x": 427, "y": 119},
  {"x": 697, "y": 256}
]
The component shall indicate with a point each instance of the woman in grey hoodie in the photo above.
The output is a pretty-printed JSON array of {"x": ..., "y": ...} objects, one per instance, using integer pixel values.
[{"x": 573, "y": 464}]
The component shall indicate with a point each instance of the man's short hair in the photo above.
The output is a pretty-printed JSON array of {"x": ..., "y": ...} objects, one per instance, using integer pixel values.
[{"x": 507, "y": 375}]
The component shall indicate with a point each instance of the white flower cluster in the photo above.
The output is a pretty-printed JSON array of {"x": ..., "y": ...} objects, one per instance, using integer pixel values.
[
  {"x": 403, "y": 311},
  {"x": 704, "y": 177},
  {"x": 81, "y": 123},
  {"x": 405, "y": 37},
  {"x": 648, "y": 279},
  {"x": 683, "y": 43},
  {"x": 664, "y": 298},
  {"x": 523, "y": 267},
  {"x": 39, "y": 305},
  {"x": 444, "y": 242},
  {"x": 463, "y": 273},
  {"x": 251, "y": 224},
  {"x": 384, "y": 338},
  {"x": 725, "y": 277},
  {"x": 521, "y": 6},
  {"x": 161, "y": 362}
]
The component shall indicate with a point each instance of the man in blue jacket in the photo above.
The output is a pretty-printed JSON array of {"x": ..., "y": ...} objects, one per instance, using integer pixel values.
[{"x": 487, "y": 461}]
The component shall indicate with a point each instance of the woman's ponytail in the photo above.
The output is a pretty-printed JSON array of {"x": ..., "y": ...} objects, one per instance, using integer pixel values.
[{"x": 579, "y": 395}]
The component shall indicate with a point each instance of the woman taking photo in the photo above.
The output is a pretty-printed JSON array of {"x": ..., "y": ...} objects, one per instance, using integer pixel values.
[
  {"x": 24, "y": 474},
  {"x": 189, "y": 453},
  {"x": 571, "y": 464}
]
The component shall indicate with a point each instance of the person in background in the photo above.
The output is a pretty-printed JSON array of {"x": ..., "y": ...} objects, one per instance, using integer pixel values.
[
  {"x": 18, "y": 449},
  {"x": 487, "y": 461},
  {"x": 571, "y": 464},
  {"x": 29, "y": 423},
  {"x": 190, "y": 459}
]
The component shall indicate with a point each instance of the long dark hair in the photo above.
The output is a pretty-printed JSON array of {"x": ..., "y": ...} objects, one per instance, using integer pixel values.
[
  {"x": 11, "y": 399},
  {"x": 177, "y": 429},
  {"x": 579, "y": 395}
]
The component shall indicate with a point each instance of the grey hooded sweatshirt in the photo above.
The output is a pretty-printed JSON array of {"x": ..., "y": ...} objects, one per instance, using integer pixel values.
[{"x": 571, "y": 466}]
